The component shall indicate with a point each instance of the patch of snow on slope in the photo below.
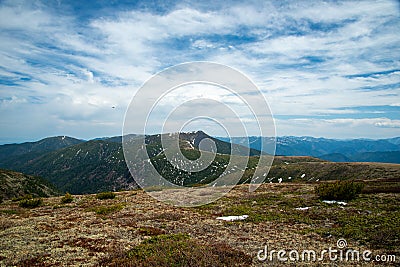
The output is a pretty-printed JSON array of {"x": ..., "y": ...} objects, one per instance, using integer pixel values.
[{"x": 233, "y": 218}]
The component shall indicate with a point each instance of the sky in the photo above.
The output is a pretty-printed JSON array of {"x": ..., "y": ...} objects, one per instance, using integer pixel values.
[{"x": 327, "y": 68}]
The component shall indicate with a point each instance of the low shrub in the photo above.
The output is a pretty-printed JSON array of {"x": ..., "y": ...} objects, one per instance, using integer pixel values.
[
  {"x": 9, "y": 212},
  {"x": 381, "y": 188},
  {"x": 26, "y": 196},
  {"x": 67, "y": 198},
  {"x": 106, "y": 195},
  {"x": 178, "y": 250},
  {"x": 105, "y": 210},
  {"x": 150, "y": 231},
  {"x": 30, "y": 203},
  {"x": 339, "y": 190}
]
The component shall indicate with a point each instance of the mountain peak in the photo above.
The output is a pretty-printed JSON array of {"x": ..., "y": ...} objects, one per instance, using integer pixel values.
[{"x": 194, "y": 137}]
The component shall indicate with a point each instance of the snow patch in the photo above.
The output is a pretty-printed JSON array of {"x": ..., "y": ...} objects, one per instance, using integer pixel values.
[
  {"x": 233, "y": 218},
  {"x": 190, "y": 144},
  {"x": 334, "y": 201},
  {"x": 303, "y": 208}
]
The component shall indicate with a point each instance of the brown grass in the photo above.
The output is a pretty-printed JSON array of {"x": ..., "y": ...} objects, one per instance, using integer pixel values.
[{"x": 144, "y": 232}]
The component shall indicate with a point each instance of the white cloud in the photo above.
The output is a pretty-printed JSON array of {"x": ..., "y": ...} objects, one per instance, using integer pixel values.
[
  {"x": 79, "y": 69},
  {"x": 340, "y": 128},
  {"x": 343, "y": 10},
  {"x": 202, "y": 44},
  {"x": 388, "y": 123},
  {"x": 21, "y": 18}
]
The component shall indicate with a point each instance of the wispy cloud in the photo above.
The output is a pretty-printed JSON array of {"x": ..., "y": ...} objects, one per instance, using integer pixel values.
[
  {"x": 63, "y": 68},
  {"x": 338, "y": 128}
]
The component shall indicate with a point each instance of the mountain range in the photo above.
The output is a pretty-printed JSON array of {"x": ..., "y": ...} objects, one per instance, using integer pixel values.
[
  {"x": 79, "y": 166},
  {"x": 353, "y": 150}
]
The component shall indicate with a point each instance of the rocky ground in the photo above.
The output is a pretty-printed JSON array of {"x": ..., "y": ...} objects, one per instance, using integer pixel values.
[{"x": 134, "y": 229}]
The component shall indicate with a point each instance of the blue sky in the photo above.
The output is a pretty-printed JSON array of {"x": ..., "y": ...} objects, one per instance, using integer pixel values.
[{"x": 327, "y": 68}]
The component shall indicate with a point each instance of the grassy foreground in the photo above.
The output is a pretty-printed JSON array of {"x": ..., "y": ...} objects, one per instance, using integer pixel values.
[{"x": 135, "y": 230}]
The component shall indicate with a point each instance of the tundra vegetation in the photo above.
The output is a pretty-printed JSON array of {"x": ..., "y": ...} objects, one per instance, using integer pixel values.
[{"x": 133, "y": 229}]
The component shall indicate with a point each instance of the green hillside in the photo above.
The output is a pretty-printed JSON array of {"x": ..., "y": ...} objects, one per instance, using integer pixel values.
[
  {"x": 15, "y": 184},
  {"x": 320, "y": 171},
  {"x": 13, "y": 156},
  {"x": 88, "y": 167},
  {"x": 193, "y": 140},
  {"x": 99, "y": 165},
  {"x": 11, "y": 151}
]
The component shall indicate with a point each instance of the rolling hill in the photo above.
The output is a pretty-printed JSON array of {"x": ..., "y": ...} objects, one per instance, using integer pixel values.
[
  {"x": 355, "y": 150},
  {"x": 307, "y": 169},
  {"x": 87, "y": 167},
  {"x": 14, "y": 184},
  {"x": 42, "y": 146},
  {"x": 17, "y": 154},
  {"x": 379, "y": 156}
]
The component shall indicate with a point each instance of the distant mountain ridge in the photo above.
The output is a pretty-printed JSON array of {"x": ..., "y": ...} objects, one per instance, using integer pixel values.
[
  {"x": 98, "y": 165},
  {"x": 353, "y": 150},
  {"x": 41, "y": 146},
  {"x": 379, "y": 156}
]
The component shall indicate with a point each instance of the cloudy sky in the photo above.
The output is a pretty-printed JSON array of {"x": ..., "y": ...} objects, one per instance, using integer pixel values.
[{"x": 327, "y": 68}]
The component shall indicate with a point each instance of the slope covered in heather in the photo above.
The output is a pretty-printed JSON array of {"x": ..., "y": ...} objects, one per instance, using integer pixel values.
[{"x": 15, "y": 184}]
